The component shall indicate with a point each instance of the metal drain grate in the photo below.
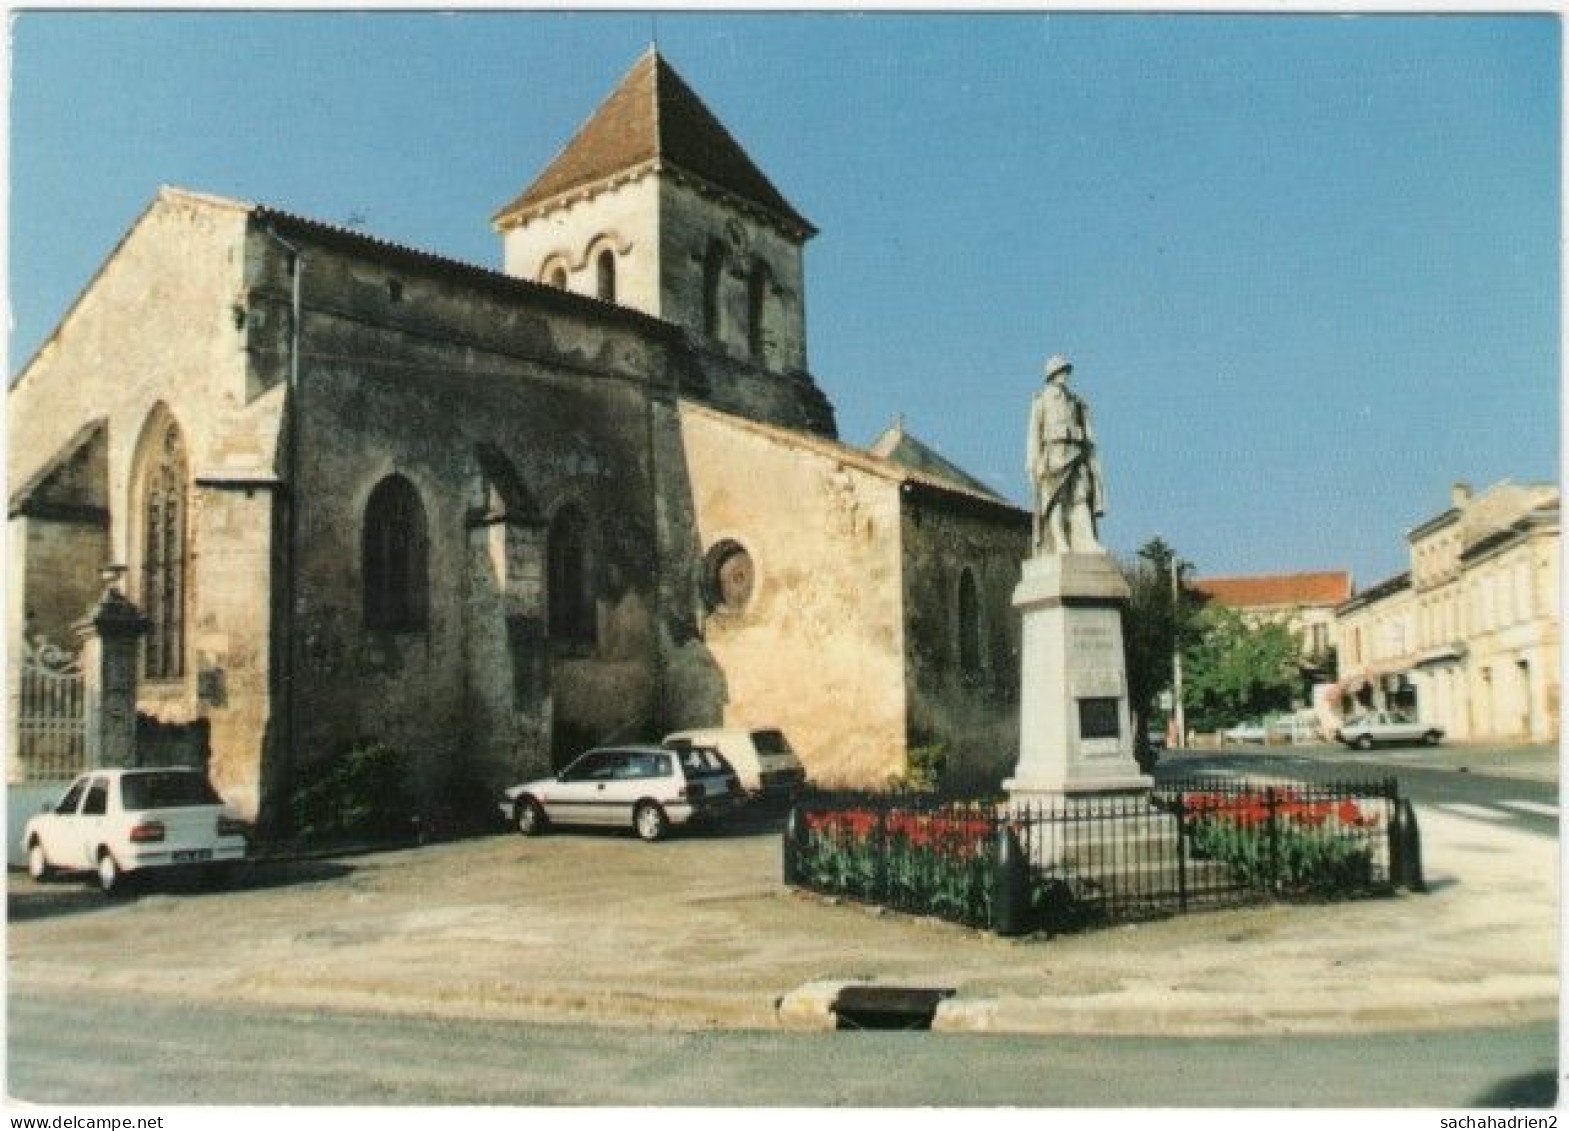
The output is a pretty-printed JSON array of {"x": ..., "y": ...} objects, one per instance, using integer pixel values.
[{"x": 887, "y": 1007}]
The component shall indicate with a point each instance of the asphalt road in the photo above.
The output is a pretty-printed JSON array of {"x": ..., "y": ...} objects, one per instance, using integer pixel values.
[
  {"x": 152, "y": 1051},
  {"x": 1479, "y": 784}
]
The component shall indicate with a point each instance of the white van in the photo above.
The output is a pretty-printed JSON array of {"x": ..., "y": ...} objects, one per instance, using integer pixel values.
[{"x": 762, "y": 759}]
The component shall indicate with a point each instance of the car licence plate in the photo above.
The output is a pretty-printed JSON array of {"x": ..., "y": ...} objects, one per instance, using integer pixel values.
[{"x": 192, "y": 855}]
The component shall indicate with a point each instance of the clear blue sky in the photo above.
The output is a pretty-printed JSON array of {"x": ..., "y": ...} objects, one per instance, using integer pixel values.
[{"x": 1307, "y": 268}]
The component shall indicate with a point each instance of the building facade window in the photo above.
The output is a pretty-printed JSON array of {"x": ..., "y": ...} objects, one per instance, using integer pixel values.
[
  {"x": 554, "y": 274},
  {"x": 605, "y": 274},
  {"x": 164, "y": 552},
  {"x": 969, "y": 626},
  {"x": 395, "y": 558},
  {"x": 569, "y": 577}
]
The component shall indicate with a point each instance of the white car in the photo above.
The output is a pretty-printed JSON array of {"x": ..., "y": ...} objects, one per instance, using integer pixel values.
[
  {"x": 1380, "y": 727},
  {"x": 115, "y": 823},
  {"x": 1246, "y": 732},
  {"x": 762, "y": 759},
  {"x": 647, "y": 787}
]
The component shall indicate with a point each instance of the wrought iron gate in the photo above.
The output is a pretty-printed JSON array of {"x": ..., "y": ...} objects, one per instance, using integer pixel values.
[{"x": 51, "y": 717}]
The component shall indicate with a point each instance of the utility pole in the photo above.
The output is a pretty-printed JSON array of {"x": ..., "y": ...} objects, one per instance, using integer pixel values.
[{"x": 1176, "y": 659}]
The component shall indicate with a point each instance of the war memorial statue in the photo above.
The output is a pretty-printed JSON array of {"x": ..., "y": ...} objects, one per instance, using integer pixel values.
[
  {"x": 1075, "y": 726},
  {"x": 1070, "y": 494}
]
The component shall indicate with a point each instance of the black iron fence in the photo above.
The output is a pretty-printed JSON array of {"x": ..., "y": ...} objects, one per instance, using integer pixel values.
[{"x": 1016, "y": 867}]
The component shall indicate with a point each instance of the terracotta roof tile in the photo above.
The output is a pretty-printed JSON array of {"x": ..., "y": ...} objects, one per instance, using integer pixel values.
[
  {"x": 1267, "y": 590},
  {"x": 654, "y": 117}
]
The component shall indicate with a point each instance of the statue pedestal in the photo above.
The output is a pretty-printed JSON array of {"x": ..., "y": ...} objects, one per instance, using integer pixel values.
[{"x": 1075, "y": 727}]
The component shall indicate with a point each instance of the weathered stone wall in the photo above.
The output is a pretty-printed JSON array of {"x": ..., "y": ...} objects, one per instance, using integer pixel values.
[
  {"x": 792, "y": 400},
  {"x": 436, "y": 374},
  {"x": 690, "y": 221},
  {"x": 818, "y": 648},
  {"x": 60, "y": 579},
  {"x": 972, "y": 710},
  {"x": 164, "y": 324}
]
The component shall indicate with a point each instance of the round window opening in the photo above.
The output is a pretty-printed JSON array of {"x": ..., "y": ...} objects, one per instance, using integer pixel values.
[{"x": 729, "y": 578}]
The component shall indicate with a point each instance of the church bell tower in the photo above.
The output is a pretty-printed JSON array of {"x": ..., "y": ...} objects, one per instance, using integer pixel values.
[{"x": 653, "y": 205}]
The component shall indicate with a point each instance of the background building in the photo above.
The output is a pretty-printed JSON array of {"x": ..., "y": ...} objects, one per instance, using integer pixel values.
[
  {"x": 1469, "y": 636},
  {"x": 1303, "y": 602}
]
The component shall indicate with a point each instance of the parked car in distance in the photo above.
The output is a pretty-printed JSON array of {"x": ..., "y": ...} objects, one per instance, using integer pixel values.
[
  {"x": 1251, "y": 731},
  {"x": 762, "y": 759},
  {"x": 1387, "y": 727},
  {"x": 1297, "y": 729},
  {"x": 116, "y": 823},
  {"x": 648, "y": 788}
]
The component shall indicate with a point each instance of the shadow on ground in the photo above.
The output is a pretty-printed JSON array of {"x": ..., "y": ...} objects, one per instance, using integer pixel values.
[
  {"x": 1534, "y": 1089},
  {"x": 72, "y": 896}
]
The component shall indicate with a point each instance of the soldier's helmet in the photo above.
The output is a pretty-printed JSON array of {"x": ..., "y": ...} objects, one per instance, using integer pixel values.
[{"x": 1056, "y": 365}]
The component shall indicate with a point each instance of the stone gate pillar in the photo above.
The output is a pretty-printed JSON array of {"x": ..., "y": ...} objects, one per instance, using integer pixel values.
[{"x": 108, "y": 636}]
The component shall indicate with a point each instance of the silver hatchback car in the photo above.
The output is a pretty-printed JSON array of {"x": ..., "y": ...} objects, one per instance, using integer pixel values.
[{"x": 646, "y": 787}]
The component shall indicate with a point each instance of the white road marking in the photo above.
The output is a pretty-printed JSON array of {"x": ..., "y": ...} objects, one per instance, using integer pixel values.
[
  {"x": 1475, "y": 812},
  {"x": 1539, "y": 807}
]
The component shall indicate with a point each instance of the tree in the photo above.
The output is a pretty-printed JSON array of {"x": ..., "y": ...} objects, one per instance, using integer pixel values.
[
  {"x": 1237, "y": 669},
  {"x": 1160, "y": 618}
]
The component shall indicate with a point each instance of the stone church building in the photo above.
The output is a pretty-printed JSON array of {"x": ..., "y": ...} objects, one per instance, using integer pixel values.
[{"x": 362, "y": 492}]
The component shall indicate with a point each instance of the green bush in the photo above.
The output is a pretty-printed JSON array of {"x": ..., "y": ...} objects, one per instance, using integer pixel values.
[
  {"x": 363, "y": 794},
  {"x": 1294, "y": 860},
  {"x": 924, "y": 768}
]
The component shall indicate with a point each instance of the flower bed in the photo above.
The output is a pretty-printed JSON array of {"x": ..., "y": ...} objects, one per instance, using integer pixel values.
[
  {"x": 1078, "y": 863},
  {"x": 1284, "y": 841},
  {"x": 936, "y": 862}
]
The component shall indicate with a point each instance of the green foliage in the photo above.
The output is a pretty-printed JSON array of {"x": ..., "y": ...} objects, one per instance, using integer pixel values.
[
  {"x": 1287, "y": 859},
  {"x": 1160, "y": 618},
  {"x": 363, "y": 794},
  {"x": 924, "y": 768},
  {"x": 1237, "y": 669}
]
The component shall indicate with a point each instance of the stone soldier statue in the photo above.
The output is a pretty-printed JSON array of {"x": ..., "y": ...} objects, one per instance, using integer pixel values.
[{"x": 1069, "y": 494}]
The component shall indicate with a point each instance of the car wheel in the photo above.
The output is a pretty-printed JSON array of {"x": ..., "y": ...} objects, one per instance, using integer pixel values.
[
  {"x": 650, "y": 821},
  {"x": 111, "y": 881},
  {"x": 529, "y": 817},
  {"x": 1364, "y": 742},
  {"x": 1432, "y": 737},
  {"x": 38, "y": 865}
]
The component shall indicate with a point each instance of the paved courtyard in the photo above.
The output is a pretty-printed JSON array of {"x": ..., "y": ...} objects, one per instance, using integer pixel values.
[{"x": 698, "y": 931}]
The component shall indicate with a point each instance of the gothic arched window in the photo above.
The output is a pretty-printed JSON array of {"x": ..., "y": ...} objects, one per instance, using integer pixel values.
[
  {"x": 605, "y": 271},
  {"x": 570, "y": 578},
  {"x": 394, "y": 557},
  {"x": 969, "y": 626},
  {"x": 758, "y": 285},
  {"x": 163, "y": 542}
]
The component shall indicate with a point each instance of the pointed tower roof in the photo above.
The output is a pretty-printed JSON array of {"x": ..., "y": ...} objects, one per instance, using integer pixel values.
[{"x": 654, "y": 119}]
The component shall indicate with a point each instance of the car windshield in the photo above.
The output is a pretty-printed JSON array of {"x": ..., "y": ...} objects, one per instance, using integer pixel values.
[
  {"x": 172, "y": 790},
  {"x": 701, "y": 760}
]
